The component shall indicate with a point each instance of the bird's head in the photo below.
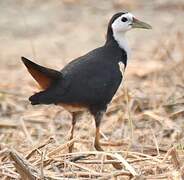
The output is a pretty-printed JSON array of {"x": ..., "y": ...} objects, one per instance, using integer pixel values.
[
  {"x": 119, "y": 24},
  {"x": 124, "y": 21}
]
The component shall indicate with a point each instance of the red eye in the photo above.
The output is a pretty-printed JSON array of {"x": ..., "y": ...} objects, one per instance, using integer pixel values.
[{"x": 124, "y": 19}]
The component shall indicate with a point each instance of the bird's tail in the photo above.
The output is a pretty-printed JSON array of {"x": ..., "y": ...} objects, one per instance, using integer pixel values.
[
  {"x": 43, "y": 97},
  {"x": 45, "y": 77}
]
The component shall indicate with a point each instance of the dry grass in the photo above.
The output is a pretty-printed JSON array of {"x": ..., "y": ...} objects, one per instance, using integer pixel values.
[{"x": 145, "y": 118}]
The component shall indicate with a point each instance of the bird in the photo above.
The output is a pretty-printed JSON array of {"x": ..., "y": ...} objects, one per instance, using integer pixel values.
[{"x": 89, "y": 82}]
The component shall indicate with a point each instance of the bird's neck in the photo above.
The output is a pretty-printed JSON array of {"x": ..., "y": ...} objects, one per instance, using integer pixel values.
[
  {"x": 118, "y": 38},
  {"x": 122, "y": 42}
]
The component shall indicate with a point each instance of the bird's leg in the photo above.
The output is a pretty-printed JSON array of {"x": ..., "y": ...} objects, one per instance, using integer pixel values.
[
  {"x": 98, "y": 118},
  {"x": 74, "y": 117},
  {"x": 97, "y": 140}
]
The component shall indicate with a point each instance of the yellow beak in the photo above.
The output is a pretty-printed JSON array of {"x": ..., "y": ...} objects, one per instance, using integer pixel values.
[{"x": 140, "y": 24}]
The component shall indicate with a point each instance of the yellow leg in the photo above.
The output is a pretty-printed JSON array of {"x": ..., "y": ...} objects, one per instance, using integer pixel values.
[
  {"x": 97, "y": 141},
  {"x": 72, "y": 131}
]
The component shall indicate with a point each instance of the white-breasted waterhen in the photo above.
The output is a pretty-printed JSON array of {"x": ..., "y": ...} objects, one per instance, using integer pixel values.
[{"x": 90, "y": 81}]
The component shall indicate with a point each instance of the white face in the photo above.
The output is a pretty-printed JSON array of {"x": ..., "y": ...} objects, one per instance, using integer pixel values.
[{"x": 123, "y": 23}]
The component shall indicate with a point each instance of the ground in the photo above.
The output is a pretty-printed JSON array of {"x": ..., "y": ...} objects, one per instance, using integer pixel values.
[{"x": 143, "y": 127}]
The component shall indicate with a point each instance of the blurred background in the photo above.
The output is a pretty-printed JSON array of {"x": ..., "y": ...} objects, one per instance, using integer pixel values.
[{"x": 147, "y": 113}]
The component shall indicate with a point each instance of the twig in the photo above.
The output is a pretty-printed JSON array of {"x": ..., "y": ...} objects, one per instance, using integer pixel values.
[
  {"x": 81, "y": 167},
  {"x": 110, "y": 161},
  {"x": 156, "y": 142},
  {"x": 115, "y": 174},
  {"x": 126, "y": 164},
  {"x": 26, "y": 132},
  {"x": 49, "y": 141},
  {"x": 103, "y": 143},
  {"x": 42, "y": 164},
  {"x": 10, "y": 93},
  {"x": 60, "y": 148},
  {"x": 23, "y": 167},
  {"x": 5, "y": 150},
  {"x": 117, "y": 156},
  {"x": 175, "y": 158},
  {"x": 161, "y": 149},
  {"x": 182, "y": 172},
  {"x": 104, "y": 152},
  {"x": 8, "y": 172},
  {"x": 82, "y": 174},
  {"x": 13, "y": 176},
  {"x": 8, "y": 124}
]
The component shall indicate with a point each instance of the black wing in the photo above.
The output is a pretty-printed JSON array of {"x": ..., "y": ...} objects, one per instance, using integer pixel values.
[{"x": 89, "y": 80}]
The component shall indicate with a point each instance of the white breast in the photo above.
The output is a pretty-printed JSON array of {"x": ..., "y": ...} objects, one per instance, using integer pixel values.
[{"x": 122, "y": 42}]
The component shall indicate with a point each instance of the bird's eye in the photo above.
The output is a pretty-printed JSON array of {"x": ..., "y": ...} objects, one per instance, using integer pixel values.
[{"x": 124, "y": 19}]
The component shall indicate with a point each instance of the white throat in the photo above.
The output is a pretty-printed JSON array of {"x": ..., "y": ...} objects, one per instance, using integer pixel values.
[{"x": 122, "y": 42}]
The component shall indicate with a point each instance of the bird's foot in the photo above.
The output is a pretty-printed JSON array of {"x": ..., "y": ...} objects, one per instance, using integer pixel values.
[{"x": 116, "y": 164}]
